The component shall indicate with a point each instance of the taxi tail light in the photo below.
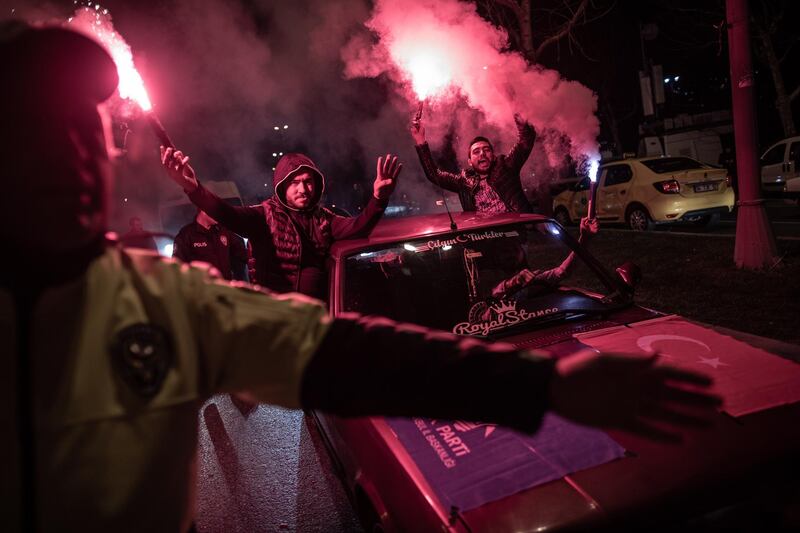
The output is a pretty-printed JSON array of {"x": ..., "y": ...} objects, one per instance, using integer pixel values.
[
  {"x": 728, "y": 180},
  {"x": 668, "y": 187}
]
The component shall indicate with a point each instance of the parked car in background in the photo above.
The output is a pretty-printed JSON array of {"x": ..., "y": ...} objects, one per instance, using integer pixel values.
[
  {"x": 644, "y": 191},
  {"x": 464, "y": 476},
  {"x": 780, "y": 166}
]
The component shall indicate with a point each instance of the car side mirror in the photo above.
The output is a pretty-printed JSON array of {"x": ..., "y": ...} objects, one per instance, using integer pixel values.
[{"x": 630, "y": 274}]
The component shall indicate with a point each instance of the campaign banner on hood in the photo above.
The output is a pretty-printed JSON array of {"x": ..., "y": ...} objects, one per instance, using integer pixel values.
[
  {"x": 469, "y": 464},
  {"x": 749, "y": 379}
]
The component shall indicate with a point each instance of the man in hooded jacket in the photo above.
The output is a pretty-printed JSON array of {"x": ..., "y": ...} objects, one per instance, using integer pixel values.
[
  {"x": 107, "y": 358},
  {"x": 290, "y": 232}
]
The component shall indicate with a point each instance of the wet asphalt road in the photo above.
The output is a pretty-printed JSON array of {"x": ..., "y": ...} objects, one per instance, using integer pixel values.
[{"x": 265, "y": 471}]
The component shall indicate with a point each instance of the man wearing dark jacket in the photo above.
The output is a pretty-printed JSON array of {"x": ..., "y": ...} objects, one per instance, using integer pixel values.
[
  {"x": 107, "y": 358},
  {"x": 492, "y": 183},
  {"x": 290, "y": 232},
  {"x": 205, "y": 240}
]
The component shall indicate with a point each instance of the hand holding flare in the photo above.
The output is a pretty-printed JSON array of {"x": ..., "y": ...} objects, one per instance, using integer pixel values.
[
  {"x": 592, "y": 210},
  {"x": 417, "y": 129}
]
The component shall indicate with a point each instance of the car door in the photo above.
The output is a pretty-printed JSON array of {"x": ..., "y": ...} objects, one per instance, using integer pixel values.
[
  {"x": 773, "y": 167},
  {"x": 793, "y": 162},
  {"x": 792, "y": 166},
  {"x": 613, "y": 192}
]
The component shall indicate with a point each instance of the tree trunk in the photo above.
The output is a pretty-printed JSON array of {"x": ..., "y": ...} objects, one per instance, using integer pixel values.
[
  {"x": 755, "y": 243},
  {"x": 783, "y": 103},
  {"x": 526, "y": 31}
]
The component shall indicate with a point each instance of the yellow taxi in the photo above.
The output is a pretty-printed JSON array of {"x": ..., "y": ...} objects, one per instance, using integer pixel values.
[{"x": 645, "y": 191}]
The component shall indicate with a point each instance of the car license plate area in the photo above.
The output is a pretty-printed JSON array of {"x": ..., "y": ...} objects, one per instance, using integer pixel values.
[{"x": 705, "y": 187}]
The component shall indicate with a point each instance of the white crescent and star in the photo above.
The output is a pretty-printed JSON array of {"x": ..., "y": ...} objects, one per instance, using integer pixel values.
[
  {"x": 712, "y": 362},
  {"x": 646, "y": 342}
]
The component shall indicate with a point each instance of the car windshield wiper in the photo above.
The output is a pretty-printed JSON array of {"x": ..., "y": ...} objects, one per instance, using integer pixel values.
[{"x": 546, "y": 319}]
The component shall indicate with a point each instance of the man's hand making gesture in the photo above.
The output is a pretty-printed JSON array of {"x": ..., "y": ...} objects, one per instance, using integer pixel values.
[{"x": 386, "y": 176}]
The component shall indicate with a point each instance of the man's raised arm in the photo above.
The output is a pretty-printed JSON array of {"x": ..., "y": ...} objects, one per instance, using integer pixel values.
[
  {"x": 385, "y": 182},
  {"x": 246, "y": 221},
  {"x": 447, "y": 180},
  {"x": 526, "y": 136}
]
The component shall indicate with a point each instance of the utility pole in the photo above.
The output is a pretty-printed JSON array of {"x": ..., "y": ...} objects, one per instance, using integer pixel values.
[{"x": 755, "y": 242}]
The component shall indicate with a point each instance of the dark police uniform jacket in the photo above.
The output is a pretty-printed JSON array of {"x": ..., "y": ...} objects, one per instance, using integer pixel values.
[{"x": 217, "y": 246}]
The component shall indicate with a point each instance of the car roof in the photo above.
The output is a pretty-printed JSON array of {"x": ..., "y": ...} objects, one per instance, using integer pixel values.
[
  {"x": 390, "y": 230},
  {"x": 611, "y": 162}
]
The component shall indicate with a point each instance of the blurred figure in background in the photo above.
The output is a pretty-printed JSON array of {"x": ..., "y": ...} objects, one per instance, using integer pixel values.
[{"x": 137, "y": 236}]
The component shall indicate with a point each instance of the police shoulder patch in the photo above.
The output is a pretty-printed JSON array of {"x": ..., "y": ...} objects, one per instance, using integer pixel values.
[{"x": 142, "y": 355}]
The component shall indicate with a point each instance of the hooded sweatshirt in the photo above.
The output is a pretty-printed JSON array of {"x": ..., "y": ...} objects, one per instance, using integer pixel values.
[{"x": 290, "y": 245}]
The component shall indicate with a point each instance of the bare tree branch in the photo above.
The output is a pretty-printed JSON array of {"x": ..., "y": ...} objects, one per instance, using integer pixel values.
[
  {"x": 511, "y": 5},
  {"x": 794, "y": 93},
  {"x": 565, "y": 30},
  {"x": 788, "y": 48}
]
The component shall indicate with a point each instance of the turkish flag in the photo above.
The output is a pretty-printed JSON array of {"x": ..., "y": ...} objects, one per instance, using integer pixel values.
[{"x": 749, "y": 379}]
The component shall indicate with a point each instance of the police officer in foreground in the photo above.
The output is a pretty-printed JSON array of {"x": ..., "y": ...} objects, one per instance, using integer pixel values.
[{"x": 107, "y": 353}]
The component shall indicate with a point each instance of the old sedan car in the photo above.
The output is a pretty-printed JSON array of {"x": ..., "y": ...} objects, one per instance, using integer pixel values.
[
  {"x": 523, "y": 280},
  {"x": 651, "y": 190}
]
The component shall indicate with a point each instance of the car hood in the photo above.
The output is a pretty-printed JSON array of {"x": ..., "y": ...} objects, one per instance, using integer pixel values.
[{"x": 560, "y": 339}]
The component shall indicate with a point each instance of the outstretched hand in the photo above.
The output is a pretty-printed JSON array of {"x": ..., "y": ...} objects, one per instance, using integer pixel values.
[
  {"x": 631, "y": 393},
  {"x": 178, "y": 168},
  {"x": 386, "y": 176}
]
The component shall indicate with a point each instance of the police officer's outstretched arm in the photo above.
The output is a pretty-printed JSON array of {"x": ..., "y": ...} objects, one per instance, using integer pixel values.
[
  {"x": 286, "y": 350},
  {"x": 505, "y": 386}
]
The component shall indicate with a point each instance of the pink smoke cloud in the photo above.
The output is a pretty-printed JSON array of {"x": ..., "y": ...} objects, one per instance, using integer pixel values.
[{"x": 454, "y": 42}]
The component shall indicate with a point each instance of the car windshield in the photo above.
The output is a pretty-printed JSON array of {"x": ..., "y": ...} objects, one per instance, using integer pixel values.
[
  {"x": 485, "y": 282},
  {"x": 663, "y": 165}
]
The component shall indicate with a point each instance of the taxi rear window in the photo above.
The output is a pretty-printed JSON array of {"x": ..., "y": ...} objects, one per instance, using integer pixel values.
[{"x": 671, "y": 164}]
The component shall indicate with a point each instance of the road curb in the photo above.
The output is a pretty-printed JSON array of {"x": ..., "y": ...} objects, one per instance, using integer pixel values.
[{"x": 690, "y": 234}]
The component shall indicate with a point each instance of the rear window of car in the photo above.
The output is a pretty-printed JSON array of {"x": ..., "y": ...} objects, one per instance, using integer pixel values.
[{"x": 663, "y": 165}]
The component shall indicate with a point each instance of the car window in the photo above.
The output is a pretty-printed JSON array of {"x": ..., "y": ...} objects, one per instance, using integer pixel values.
[
  {"x": 774, "y": 155},
  {"x": 662, "y": 165},
  {"x": 617, "y": 174},
  {"x": 582, "y": 185},
  {"x": 483, "y": 282},
  {"x": 794, "y": 154}
]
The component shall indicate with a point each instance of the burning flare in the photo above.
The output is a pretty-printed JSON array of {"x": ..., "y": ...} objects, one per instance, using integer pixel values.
[
  {"x": 445, "y": 50},
  {"x": 428, "y": 72},
  {"x": 96, "y": 22},
  {"x": 594, "y": 164}
]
